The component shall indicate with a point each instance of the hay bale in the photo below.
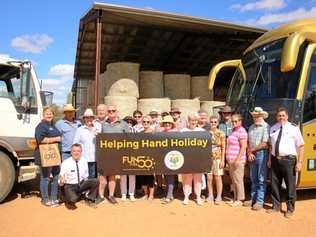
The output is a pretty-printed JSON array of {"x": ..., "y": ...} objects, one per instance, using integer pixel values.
[
  {"x": 151, "y": 84},
  {"x": 125, "y": 105},
  {"x": 199, "y": 88},
  {"x": 210, "y": 107},
  {"x": 159, "y": 104},
  {"x": 177, "y": 86},
  {"x": 122, "y": 79},
  {"x": 186, "y": 106}
]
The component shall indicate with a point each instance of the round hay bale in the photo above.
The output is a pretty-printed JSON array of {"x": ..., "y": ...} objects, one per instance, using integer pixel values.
[
  {"x": 159, "y": 104},
  {"x": 125, "y": 105},
  {"x": 210, "y": 107},
  {"x": 199, "y": 88},
  {"x": 177, "y": 86},
  {"x": 122, "y": 79},
  {"x": 186, "y": 106},
  {"x": 151, "y": 84}
]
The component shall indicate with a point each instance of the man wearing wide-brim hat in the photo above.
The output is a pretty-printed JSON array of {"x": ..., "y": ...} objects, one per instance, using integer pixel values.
[
  {"x": 176, "y": 114},
  {"x": 258, "y": 137},
  {"x": 226, "y": 125},
  {"x": 68, "y": 127}
]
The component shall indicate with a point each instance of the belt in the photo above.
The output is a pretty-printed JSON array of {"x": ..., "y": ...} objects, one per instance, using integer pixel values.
[{"x": 285, "y": 157}]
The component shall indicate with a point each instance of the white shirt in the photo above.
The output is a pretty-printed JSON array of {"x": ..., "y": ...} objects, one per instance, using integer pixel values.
[
  {"x": 97, "y": 123},
  {"x": 69, "y": 170},
  {"x": 291, "y": 139},
  {"x": 86, "y": 137},
  {"x": 197, "y": 129}
]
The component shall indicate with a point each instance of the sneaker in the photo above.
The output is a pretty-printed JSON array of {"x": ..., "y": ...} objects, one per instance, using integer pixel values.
[
  {"x": 230, "y": 202},
  {"x": 46, "y": 203},
  {"x": 100, "y": 200},
  {"x": 236, "y": 204},
  {"x": 132, "y": 198},
  {"x": 257, "y": 207},
  {"x": 167, "y": 200},
  {"x": 185, "y": 201},
  {"x": 123, "y": 198},
  {"x": 199, "y": 201},
  {"x": 112, "y": 200},
  {"x": 54, "y": 203},
  {"x": 288, "y": 214},
  {"x": 247, "y": 203}
]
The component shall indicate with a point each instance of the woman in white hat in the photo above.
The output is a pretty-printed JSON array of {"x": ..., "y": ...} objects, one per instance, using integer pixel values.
[{"x": 85, "y": 135}]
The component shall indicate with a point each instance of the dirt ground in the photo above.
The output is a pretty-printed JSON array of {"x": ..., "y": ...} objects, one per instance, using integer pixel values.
[{"x": 27, "y": 217}]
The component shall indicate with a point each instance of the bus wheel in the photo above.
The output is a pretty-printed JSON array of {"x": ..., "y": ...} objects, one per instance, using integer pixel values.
[{"x": 7, "y": 175}]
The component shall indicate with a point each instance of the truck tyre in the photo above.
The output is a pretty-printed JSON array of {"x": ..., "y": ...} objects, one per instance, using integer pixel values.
[{"x": 7, "y": 175}]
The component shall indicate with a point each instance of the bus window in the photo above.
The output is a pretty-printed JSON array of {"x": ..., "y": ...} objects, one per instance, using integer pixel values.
[{"x": 310, "y": 95}]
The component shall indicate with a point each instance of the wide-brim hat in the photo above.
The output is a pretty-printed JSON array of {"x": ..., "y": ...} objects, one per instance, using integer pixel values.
[
  {"x": 130, "y": 118},
  {"x": 88, "y": 113},
  {"x": 168, "y": 119},
  {"x": 259, "y": 111},
  {"x": 154, "y": 112},
  {"x": 226, "y": 109},
  {"x": 69, "y": 108}
]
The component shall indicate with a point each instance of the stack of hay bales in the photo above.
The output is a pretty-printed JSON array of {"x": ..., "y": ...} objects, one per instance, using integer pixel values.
[
  {"x": 211, "y": 107},
  {"x": 199, "y": 88},
  {"x": 121, "y": 86},
  {"x": 177, "y": 86},
  {"x": 151, "y": 84},
  {"x": 186, "y": 106},
  {"x": 159, "y": 104}
]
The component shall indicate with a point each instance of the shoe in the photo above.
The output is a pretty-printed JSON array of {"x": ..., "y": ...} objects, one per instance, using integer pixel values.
[
  {"x": 185, "y": 201},
  {"x": 100, "y": 200},
  {"x": 46, "y": 203},
  {"x": 288, "y": 214},
  {"x": 218, "y": 201},
  {"x": 90, "y": 203},
  {"x": 257, "y": 207},
  {"x": 167, "y": 200},
  {"x": 210, "y": 199},
  {"x": 230, "y": 202},
  {"x": 273, "y": 210},
  {"x": 123, "y": 198},
  {"x": 145, "y": 197},
  {"x": 236, "y": 204},
  {"x": 112, "y": 200},
  {"x": 132, "y": 198},
  {"x": 71, "y": 206},
  {"x": 247, "y": 203},
  {"x": 199, "y": 201},
  {"x": 55, "y": 203}
]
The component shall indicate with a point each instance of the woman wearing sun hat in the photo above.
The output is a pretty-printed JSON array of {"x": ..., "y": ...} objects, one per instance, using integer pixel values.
[{"x": 85, "y": 136}]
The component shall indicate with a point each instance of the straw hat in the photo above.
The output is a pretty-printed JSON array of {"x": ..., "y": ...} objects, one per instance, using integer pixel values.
[
  {"x": 259, "y": 111},
  {"x": 168, "y": 119},
  {"x": 69, "y": 108},
  {"x": 154, "y": 112},
  {"x": 88, "y": 113}
]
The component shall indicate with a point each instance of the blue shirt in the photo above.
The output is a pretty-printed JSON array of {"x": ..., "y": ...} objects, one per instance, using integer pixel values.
[
  {"x": 226, "y": 128},
  {"x": 43, "y": 130},
  {"x": 68, "y": 131}
]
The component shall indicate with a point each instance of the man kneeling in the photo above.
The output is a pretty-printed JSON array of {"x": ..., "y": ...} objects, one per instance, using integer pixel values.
[{"x": 74, "y": 179}]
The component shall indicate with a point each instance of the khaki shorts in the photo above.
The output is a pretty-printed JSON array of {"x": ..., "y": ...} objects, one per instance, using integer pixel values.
[{"x": 216, "y": 170}]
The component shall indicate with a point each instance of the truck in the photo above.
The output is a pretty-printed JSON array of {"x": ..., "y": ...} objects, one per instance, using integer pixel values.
[
  {"x": 21, "y": 106},
  {"x": 279, "y": 69}
]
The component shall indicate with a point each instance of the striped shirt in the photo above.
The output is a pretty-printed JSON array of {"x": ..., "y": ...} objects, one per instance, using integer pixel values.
[
  {"x": 258, "y": 134},
  {"x": 233, "y": 145}
]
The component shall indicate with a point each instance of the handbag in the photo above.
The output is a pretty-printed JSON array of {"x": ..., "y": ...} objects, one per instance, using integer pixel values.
[{"x": 50, "y": 155}]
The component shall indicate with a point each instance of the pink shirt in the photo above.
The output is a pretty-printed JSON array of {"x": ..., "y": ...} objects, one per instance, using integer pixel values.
[{"x": 233, "y": 145}]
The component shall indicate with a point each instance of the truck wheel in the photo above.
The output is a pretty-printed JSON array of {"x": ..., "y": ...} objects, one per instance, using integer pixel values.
[{"x": 7, "y": 175}]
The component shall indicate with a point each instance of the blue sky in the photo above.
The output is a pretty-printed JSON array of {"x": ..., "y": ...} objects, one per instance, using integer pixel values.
[{"x": 46, "y": 31}]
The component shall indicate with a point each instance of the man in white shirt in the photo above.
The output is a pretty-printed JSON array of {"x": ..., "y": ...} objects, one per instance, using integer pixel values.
[
  {"x": 285, "y": 159},
  {"x": 74, "y": 179}
]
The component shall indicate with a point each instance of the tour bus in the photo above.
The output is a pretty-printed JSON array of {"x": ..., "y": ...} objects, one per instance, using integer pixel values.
[
  {"x": 279, "y": 69},
  {"x": 21, "y": 106}
]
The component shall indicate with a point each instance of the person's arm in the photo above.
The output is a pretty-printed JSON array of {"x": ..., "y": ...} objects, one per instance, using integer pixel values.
[
  {"x": 242, "y": 150},
  {"x": 41, "y": 135},
  {"x": 223, "y": 142},
  {"x": 51, "y": 139},
  {"x": 61, "y": 180},
  {"x": 300, "y": 155}
]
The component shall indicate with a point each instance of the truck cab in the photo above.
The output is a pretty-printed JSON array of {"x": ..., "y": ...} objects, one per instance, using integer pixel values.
[{"x": 21, "y": 106}]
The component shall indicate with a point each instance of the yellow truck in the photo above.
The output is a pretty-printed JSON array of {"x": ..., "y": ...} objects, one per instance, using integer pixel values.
[{"x": 279, "y": 69}]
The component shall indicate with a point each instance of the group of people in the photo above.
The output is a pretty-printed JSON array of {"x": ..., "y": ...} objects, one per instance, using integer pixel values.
[{"x": 280, "y": 148}]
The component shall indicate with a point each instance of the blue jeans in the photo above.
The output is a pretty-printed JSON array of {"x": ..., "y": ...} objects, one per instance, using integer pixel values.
[
  {"x": 170, "y": 183},
  {"x": 258, "y": 176},
  {"x": 92, "y": 166},
  {"x": 44, "y": 182}
]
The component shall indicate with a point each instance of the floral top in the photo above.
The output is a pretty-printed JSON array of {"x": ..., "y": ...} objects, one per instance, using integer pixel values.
[{"x": 218, "y": 141}]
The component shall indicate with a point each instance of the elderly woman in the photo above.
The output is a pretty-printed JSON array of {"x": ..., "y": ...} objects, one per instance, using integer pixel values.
[
  {"x": 218, "y": 156},
  {"x": 138, "y": 116},
  {"x": 85, "y": 136},
  {"x": 192, "y": 126},
  {"x": 168, "y": 125},
  {"x": 147, "y": 181},
  {"x": 47, "y": 133},
  {"x": 236, "y": 159}
]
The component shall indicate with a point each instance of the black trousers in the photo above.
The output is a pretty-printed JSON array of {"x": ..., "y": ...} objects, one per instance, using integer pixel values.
[
  {"x": 72, "y": 192},
  {"x": 283, "y": 169}
]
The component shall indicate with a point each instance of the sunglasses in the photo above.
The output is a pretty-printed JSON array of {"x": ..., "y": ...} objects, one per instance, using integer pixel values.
[
  {"x": 137, "y": 116},
  {"x": 213, "y": 121},
  {"x": 145, "y": 121},
  {"x": 129, "y": 121},
  {"x": 235, "y": 121},
  {"x": 111, "y": 111}
]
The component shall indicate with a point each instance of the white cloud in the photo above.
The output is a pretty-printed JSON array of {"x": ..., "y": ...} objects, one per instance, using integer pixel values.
[
  {"x": 60, "y": 88},
  {"x": 5, "y": 56},
  {"x": 36, "y": 43},
  {"x": 149, "y": 8},
  {"x": 297, "y": 14},
  {"x": 62, "y": 70},
  {"x": 260, "y": 5}
]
